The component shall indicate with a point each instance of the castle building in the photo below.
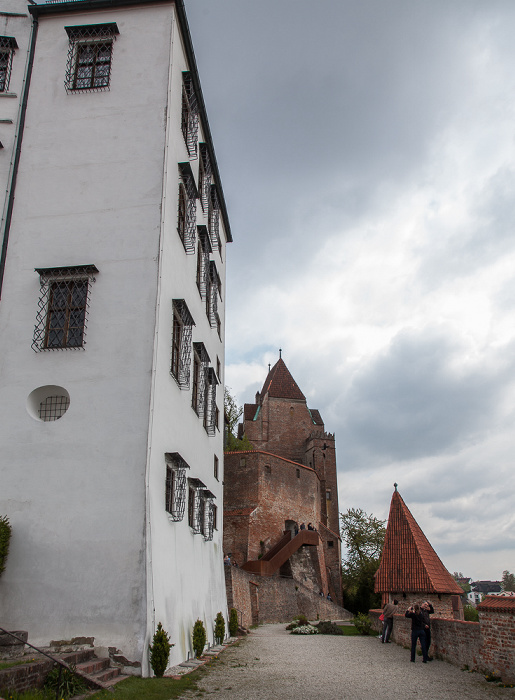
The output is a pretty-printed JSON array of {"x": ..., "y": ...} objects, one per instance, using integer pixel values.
[
  {"x": 285, "y": 484},
  {"x": 112, "y": 320},
  {"x": 410, "y": 569}
]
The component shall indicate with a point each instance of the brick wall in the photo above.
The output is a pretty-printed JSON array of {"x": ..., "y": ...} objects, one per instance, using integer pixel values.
[
  {"x": 443, "y": 604},
  {"x": 26, "y": 677},
  {"x": 238, "y": 594},
  {"x": 498, "y": 651}
]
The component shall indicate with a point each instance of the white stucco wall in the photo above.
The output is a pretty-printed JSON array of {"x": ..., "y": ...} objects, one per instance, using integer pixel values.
[{"x": 93, "y": 552}]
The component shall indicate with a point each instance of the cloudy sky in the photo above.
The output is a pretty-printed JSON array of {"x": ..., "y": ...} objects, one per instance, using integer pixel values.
[{"x": 367, "y": 152}]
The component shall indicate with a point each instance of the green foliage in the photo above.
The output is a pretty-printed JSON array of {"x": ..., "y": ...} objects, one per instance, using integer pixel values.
[
  {"x": 219, "y": 628},
  {"x": 363, "y": 623},
  {"x": 508, "y": 581},
  {"x": 136, "y": 688},
  {"x": 233, "y": 622},
  {"x": 65, "y": 682},
  {"x": 27, "y": 695},
  {"x": 301, "y": 620},
  {"x": 232, "y": 414},
  {"x": 328, "y": 627},
  {"x": 5, "y": 537},
  {"x": 470, "y": 614},
  {"x": 363, "y": 536},
  {"x": 199, "y": 638},
  {"x": 160, "y": 651}
]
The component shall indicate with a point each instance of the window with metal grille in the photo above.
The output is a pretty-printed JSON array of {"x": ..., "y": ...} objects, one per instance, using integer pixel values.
[
  {"x": 215, "y": 468},
  {"x": 187, "y": 208},
  {"x": 214, "y": 219},
  {"x": 214, "y": 290},
  {"x": 181, "y": 343},
  {"x": 7, "y": 46},
  {"x": 63, "y": 307},
  {"x": 175, "y": 489},
  {"x": 196, "y": 506},
  {"x": 208, "y": 521},
  {"x": 189, "y": 114},
  {"x": 53, "y": 407},
  {"x": 210, "y": 402},
  {"x": 204, "y": 177},
  {"x": 90, "y": 57},
  {"x": 200, "y": 377},
  {"x": 203, "y": 252}
]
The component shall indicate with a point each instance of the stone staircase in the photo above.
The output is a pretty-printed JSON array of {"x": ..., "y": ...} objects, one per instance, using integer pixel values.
[{"x": 95, "y": 671}]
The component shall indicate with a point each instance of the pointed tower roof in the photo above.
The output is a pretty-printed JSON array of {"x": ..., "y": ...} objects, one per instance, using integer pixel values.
[
  {"x": 408, "y": 562},
  {"x": 280, "y": 384}
]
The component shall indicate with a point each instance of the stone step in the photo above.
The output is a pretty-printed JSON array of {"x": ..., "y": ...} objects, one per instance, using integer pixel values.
[
  {"x": 92, "y": 666},
  {"x": 107, "y": 675}
]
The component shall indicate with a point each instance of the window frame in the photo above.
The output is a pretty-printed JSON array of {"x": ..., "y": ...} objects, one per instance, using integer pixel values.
[
  {"x": 97, "y": 38},
  {"x": 7, "y": 48},
  {"x": 182, "y": 328},
  {"x": 187, "y": 208},
  {"x": 189, "y": 114}
]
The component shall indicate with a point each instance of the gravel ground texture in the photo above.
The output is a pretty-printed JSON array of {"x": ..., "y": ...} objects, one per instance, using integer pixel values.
[{"x": 272, "y": 663}]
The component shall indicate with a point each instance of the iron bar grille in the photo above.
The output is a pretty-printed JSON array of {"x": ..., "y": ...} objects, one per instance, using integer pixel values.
[
  {"x": 7, "y": 46},
  {"x": 208, "y": 515},
  {"x": 175, "y": 485},
  {"x": 204, "y": 250},
  {"x": 214, "y": 289},
  {"x": 53, "y": 407},
  {"x": 204, "y": 177},
  {"x": 201, "y": 366},
  {"x": 214, "y": 219},
  {"x": 63, "y": 307},
  {"x": 187, "y": 213},
  {"x": 189, "y": 114},
  {"x": 181, "y": 343},
  {"x": 196, "y": 511},
  {"x": 88, "y": 67},
  {"x": 210, "y": 409}
]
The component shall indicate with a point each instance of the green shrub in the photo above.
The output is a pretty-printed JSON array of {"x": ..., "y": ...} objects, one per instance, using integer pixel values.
[
  {"x": 233, "y": 622},
  {"x": 328, "y": 628},
  {"x": 219, "y": 628},
  {"x": 292, "y": 625},
  {"x": 301, "y": 620},
  {"x": 199, "y": 638},
  {"x": 160, "y": 651},
  {"x": 67, "y": 684},
  {"x": 5, "y": 536},
  {"x": 363, "y": 623},
  {"x": 470, "y": 614}
]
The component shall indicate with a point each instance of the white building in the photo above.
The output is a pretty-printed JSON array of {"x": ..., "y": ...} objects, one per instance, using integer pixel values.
[{"x": 112, "y": 450}]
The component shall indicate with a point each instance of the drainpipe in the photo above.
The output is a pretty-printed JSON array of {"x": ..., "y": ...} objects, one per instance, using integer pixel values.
[{"x": 19, "y": 137}]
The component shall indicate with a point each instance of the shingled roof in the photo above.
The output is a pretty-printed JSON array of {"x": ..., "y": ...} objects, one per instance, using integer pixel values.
[
  {"x": 280, "y": 384},
  {"x": 497, "y": 603},
  {"x": 408, "y": 562}
]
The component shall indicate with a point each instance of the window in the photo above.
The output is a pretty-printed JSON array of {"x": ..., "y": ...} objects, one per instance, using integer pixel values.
[
  {"x": 200, "y": 367},
  {"x": 215, "y": 468},
  {"x": 204, "y": 177},
  {"x": 203, "y": 251},
  {"x": 62, "y": 307},
  {"x": 298, "y": 473},
  {"x": 328, "y": 495},
  {"x": 210, "y": 402},
  {"x": 187, "y": 208},
  {"x": 7, "y": 46},
  {"x": 197, "y": 506},
  {"x": 181, "y": 343},
  {"x": 89, "y": 57},
  {"x": 209, "y": 514},
  {"x": 189, "y": 114},
  {"x": 53, "y": 407},
  {"x": 214, "y": 289},
  {"x": 214, "y": 511},
  {"x": 218, "y": 367},
  {"x": 175, "y": 490},
  {"x": 214, "y": 219},
  {"x": 330, "y": 543}
]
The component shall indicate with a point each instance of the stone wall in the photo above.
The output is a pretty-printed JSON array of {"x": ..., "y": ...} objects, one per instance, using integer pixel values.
[{"x": 25, "y": 677}]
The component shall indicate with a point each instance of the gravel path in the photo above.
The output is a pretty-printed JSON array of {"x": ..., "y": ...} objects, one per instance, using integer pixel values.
[{"x": 271, "y": 663}]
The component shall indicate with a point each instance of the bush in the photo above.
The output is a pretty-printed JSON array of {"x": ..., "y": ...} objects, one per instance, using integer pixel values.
[
  {"x": 199, "y": 638},
  {"x": 470, "y": 614},
  {"x": 5, "y": 536},
  {"x": 301, "y": 620},
  {"x": 67, "y": 684},
  {"x": 233, "y": 622},
  {"x": 328, "y": 628},
  {"x": 219, "y": 628},
  {"x": 160, "y": 651},
  {"x": 304, "y": 629},
  {"x": 363, "y": 623}
]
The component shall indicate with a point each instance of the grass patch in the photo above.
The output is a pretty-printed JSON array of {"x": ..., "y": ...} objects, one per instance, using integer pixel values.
[
  {"x": 135, "y": 688},
  {"x": 349, "y": 630},
  {"x": 27, "y": 695}
]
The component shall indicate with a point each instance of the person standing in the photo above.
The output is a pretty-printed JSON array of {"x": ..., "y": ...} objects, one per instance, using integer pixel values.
[
  {"x": 417, "y": 631},
  {"x": 427, "y": 609},
  {"x": 389, "y": 611}
]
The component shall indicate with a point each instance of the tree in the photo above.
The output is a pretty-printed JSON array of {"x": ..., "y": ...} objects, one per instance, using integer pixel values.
[
  {"x": 232, "y": 415},
  {"x": 508, "y": 581},
  {"x": 363, "y": 536}
]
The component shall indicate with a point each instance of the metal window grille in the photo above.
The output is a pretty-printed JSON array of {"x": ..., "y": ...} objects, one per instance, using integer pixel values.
[
  {"x": 204, "y": 250},
  {"x": 187, "y": 214},
  {"x": 208, "y": 519},
  {"x": 181, "y": 343},
  {"x": 53, "y": 407},
  {"x": 7, "y": 46},
  {"x": 210, "y": 403},
  {"x": 88, "y": 68},
  {"x": 189, "y": 114},
  {"x": 215, "y": 467},
  {"x": 175, "y": 493},
  {"x": 213, "y": 291},
  {"x": 196, "y": 511},
  {"x": 205, "y": 175},
  {"x": 201, "y": 366},
  {"x": 214, "y": 219},
  {"x": 63, "y": 307}
]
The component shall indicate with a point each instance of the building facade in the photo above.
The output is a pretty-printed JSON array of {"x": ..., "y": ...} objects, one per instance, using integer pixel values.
[{"x": 111, "y": 329}]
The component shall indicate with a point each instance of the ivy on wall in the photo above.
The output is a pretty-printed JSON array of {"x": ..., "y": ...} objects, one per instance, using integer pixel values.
[{"x": 5, "y": 536}]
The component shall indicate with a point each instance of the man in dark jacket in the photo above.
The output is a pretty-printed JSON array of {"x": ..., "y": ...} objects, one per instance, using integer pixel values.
[
  {"x": 389, "y": 611},
  {"x": 427, "y": 609},
  {"x": 417, "y": 631}
]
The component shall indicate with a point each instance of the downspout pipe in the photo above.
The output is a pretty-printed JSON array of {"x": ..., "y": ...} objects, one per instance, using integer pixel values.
[{"x": 17, "y": 153}]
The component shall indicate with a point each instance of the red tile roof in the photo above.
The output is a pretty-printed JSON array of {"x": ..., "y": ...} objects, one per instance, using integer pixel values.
[
  {"x": 280, "y": 384},
  {"x": 408, "y": 562},
  {"x": 497, "y": 603},
  {"x": 249, "y": 411},
  {"x": 315, "y": 415}
]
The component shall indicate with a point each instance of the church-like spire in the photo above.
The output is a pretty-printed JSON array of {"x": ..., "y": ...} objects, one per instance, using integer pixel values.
[{"x": 280, "y": 384}]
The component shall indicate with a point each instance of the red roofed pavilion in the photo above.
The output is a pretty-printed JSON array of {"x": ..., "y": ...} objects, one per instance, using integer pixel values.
[{"x": 410, "y": 569}]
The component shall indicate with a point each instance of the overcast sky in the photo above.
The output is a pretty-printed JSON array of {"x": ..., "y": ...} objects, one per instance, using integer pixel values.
[{"x": 367, "y": 154}]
